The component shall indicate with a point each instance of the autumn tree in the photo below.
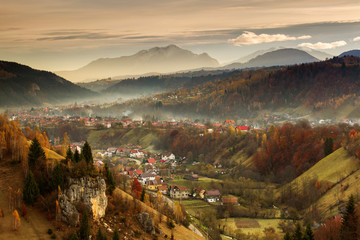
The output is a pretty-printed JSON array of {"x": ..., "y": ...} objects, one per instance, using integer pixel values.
[
  {"x": 349, "y": 227},
  {"x": 31, "y": 189},
  {"x": 16, "y": 220},
  {"x": 136, "y": 188},
  {"x": 36, "y": 153}
]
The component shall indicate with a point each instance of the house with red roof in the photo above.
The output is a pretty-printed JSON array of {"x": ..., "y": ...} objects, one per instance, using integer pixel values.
[
  {"x": 178, "y": 192},
  {"x": 151, "y": 161}
]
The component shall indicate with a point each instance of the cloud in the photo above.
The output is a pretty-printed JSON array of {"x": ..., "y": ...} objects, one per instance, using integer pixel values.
[
  {"x": 77, "y": 36},
  {"x": 250, "y": 38},
  {"x": 321, "y": 45},
  {"x": 356, "y": 39}
]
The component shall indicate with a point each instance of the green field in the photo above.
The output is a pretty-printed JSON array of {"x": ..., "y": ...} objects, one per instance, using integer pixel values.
[
  {"x": 203, "y": 182},
  {"x": 116, "y": 137},
  {"x": 196, "y": 207},
  {"x": 248, "y": 225}
]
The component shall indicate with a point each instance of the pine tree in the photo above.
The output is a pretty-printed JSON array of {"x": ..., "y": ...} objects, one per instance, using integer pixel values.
[
  {"x": 74, "y": 236},
  {"x": 84, "y": 231},
  {"x": 87, "y": 154},
  {"x": 328, "y": 146},
  {"x": 308, "y": 235},
  {"x": 35, "y": 152},
  {"x": 69, "y": 155},
  {"x": 109, "y": 179},
  {"x": 58, "y": 178},
  {"x": 142, "y": 195},
  {"x": 287, "y": 236},
  {"x": 349, "y": 224},
  {"x": 31, "y": 190},
  {"x": 116, "y": 235},
  {"x": 100, "y": 235},
  {"x": 76, "y": 156},
  {"x": 298, "y": 232}
]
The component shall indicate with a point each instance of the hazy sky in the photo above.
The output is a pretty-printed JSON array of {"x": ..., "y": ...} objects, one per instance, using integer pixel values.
[{"x": 67, "y": 34}]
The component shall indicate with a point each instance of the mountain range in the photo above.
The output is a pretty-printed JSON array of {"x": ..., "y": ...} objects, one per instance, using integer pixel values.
[
  {"x": 21, "y": 85},
  {"x": 159, "y": 59}
]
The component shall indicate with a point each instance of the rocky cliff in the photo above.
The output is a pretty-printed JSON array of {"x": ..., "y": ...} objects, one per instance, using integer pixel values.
[{"x": 87, "y": 190}]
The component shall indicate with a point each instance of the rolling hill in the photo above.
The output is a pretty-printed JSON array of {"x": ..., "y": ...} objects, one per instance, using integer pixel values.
[
  {"x": 21, "y": 85},
  {"x": 159, "y": 59},
  {"x": 320, "y": 89},
  {"x": 355, "y": 53},
  {"x": 280, "y": 57}
]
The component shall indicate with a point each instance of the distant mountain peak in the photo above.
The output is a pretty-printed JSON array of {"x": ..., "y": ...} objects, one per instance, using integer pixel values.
[
  {"x": 167, "y": 59},
  {"x": 354, "y": 52}
]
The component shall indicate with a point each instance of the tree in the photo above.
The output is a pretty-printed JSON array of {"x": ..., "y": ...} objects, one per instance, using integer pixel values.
[
  {"x": 308, "y": 235},
  {"x": 36, "y": 152},
  {"x": 16, "y": 220},
  {"x": 76, "y": 156},
  {"x": 349, "y": 224},
  {"x": 58, "y": 178},
  {"x": 73, "y": 236},
  {"x": 69, "y": 154},
  {"x": 116, "y": 235},
  {"x": 84, "y": 231},
  {"x": 142, "y": 195},
  {"x": 31, "y": 189},
  {"x": 136, "y": 188},
  {"x": 328, "y": 146},
  {"x": 287, "y": 236},
  {"x": 100, "y": 235},
  {"x": 87, "y": 154},
  {"x": 298, "y": 232},
  {"x": 109, "y": 179}
]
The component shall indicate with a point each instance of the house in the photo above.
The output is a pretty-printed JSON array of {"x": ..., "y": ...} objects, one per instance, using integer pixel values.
[
  {"x": 151, "y": 161},
  {"x": 229, "y": 122},
  {"x": 229, "y": 200},
  {"x": 112, "y": 150},
  {"x": 135, "y": 173},
  {"x": 169, "y": 156},
  {"x": 163, "y": 189},
  {"x": 217, "y": 164},
  {"x": 198, "y": 193},
  {"x": 153, "y": 184},
  {"x": 242, "y": 129},
  {"x": 212, "y": 195},
  {"x": 146, "y": 177},
  {"x": 136, "y": 154},
  {"x": 178, "y": 192}
]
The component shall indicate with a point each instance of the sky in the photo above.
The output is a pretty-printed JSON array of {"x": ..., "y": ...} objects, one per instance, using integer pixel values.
[{"x": 68, "y": 34}]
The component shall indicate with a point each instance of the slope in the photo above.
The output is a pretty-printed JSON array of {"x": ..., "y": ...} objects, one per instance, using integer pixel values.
[
  {"x": 355, "y": 53},
  {"x": 21, "y": 85},
  {"x": 159, "y": 59},
  {"x": 338, "y": 175}
]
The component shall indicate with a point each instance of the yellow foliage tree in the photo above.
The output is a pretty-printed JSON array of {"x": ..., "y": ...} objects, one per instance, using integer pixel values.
[{"x": 16, "y": 220}]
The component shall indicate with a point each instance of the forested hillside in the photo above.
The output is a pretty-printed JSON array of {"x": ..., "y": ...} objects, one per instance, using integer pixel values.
[
  {"x": 21, "y": 85},
  {"x": 321, "y": 88}
]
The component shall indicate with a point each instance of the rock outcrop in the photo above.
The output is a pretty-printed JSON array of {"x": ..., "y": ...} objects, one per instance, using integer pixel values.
[
  {"x": 146, "y": 222},
  {"x": 87, "y": 190}
]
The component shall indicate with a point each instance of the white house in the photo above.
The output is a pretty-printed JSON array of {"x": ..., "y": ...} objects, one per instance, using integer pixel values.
[{"x": 170, "y": 156}]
